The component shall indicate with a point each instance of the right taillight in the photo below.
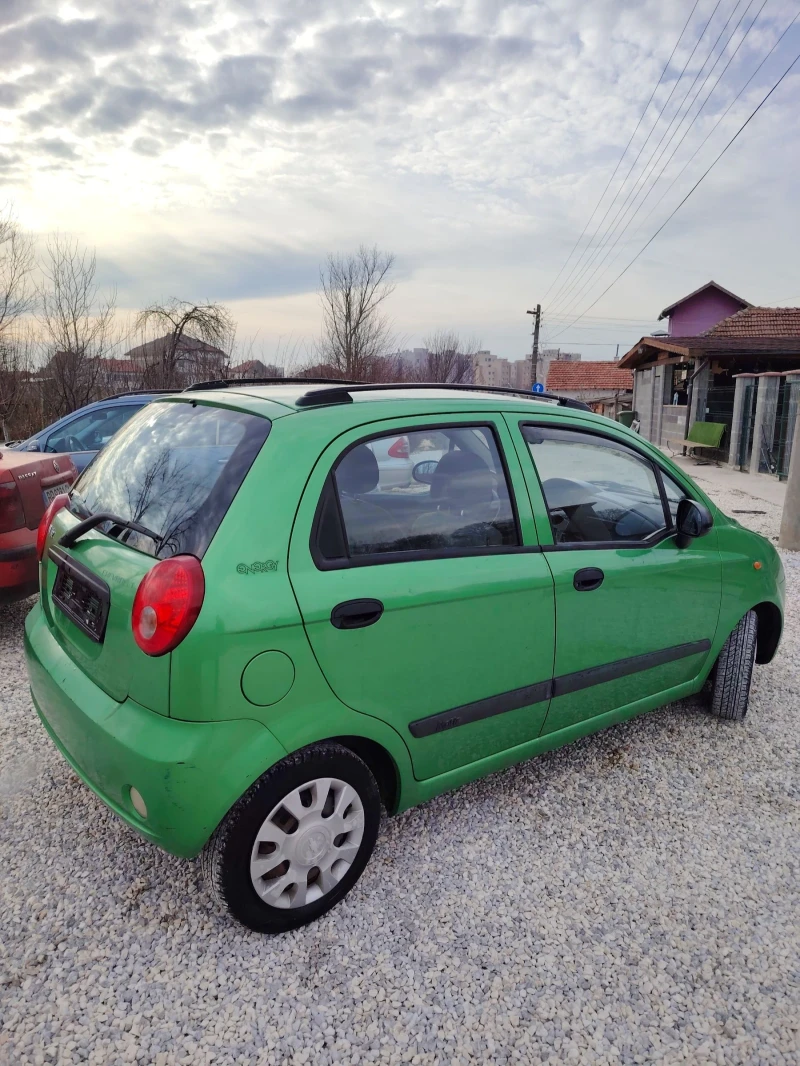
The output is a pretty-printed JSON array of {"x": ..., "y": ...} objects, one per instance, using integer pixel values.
[
  {"x": 167, "y": 604},
  {"x": 399, "y": 450},
  {"x": 12, "y": 516},
  {"x": 47, "y": 518}
]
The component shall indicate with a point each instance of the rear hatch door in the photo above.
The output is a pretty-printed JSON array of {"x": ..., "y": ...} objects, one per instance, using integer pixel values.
[{"x": 173, "y": 469}]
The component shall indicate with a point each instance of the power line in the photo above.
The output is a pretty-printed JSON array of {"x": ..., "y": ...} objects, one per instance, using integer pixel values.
[
  {"x": 639, "y": 153},
  {"x": 721, "y": 118},
  {"x": 625, "y": 150},
  {"x": 702, "y": 177},
  {"x": 583, "y": 283},
  {"x": 586, "y": 285}
]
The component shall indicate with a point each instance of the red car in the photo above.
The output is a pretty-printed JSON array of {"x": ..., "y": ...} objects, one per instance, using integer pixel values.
[{"x": 28, "y": 483}]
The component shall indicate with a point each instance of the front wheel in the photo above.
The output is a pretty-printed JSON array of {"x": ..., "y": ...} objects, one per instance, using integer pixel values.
[
  {"x": 297, "y": 841},
  {"x": 733, "y": 672}
]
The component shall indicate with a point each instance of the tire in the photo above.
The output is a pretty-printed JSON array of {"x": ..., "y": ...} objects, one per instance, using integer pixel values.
[
  {"x": 733, "y": 672},
  {"x": 318, "y": 852}
]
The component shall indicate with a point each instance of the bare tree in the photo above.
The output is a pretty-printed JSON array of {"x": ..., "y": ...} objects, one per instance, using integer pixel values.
[
  {"x": 16, "y": 263},
  {"x": 77, "y": 324},
  {"x": 198, "y": 334},
  {"x": 356, "y": 332},
  {"x": 448, "y": 359},
  {"x": 17, "y": 394}
]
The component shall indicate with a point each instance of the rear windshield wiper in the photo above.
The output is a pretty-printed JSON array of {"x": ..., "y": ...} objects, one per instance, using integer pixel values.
[{"x": 97, "y": 519}]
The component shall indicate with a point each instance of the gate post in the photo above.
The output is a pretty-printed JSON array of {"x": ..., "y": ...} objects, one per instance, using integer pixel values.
[{"x": 737, "y": 423}]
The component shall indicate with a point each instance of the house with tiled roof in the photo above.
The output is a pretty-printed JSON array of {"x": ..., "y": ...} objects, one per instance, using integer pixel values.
[
  {"x": 724, "y": 360},
  {"x": 606, "y": 387}
]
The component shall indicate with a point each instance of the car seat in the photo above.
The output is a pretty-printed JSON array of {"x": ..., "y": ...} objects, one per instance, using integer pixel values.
[
  {"x": 463, "y": 486},
  {"x": 370, "y": 529}
]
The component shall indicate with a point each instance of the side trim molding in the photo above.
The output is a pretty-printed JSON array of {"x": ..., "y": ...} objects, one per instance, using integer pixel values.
[
  {"x": 475, "y": 712},
  {"x": 597, "y": 675},
  {"x": 516, "y": 698}
]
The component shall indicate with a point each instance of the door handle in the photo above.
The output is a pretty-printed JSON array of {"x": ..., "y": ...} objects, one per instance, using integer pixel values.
[
  {"x": 587, "y": 579},
  {"x": 355, "y": 614}
]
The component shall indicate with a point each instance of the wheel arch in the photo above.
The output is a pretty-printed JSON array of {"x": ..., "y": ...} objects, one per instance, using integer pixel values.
[
  {"x": 770, "y": 627},
  {"x": 380, "y": 762}
]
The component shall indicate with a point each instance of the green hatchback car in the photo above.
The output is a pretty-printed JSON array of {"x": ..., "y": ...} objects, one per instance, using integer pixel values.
[{"x": 248, "y": 641}]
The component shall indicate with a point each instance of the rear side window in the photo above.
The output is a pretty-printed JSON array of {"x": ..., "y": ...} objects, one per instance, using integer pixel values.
[
  {"x": 437, "y": 491},
  {"x": 174, "y": 468}
]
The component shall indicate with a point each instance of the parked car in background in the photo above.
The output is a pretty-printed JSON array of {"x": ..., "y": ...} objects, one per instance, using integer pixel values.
[
  {"x": 246, "y": 644},
  {"x": 394, "y": 462},
  {"x": 83, "y": 433},
  {"x": 28, "y": 484}
]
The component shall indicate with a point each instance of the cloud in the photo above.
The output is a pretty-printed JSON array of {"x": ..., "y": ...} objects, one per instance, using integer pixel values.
[{"x": 230, "y": 145}]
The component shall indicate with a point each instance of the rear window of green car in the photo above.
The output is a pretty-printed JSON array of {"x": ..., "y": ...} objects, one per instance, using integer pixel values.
[{"x": 175, "y": 469}]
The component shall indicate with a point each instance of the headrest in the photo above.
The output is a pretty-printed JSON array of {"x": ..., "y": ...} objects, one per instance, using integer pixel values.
[
  {"x": 358, "y": 471},
  {"x": 465, "y": 479}
]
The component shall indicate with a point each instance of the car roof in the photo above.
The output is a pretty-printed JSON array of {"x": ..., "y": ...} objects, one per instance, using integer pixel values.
[
  {"x": 313, "y": 396},
  {"x": 385, "y": 401}
]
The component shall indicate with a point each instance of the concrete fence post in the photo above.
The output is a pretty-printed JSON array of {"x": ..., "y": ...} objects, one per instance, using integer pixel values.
[
  {"x": 793, "y": 391},
  {"x": 766, "y": 409},
  {"x": 737, "y": 425},
  {"x": 790, "y": 520}
]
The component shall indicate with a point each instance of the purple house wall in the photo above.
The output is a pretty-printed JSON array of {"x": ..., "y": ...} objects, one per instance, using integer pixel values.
[{"x": 701, "y": 310}]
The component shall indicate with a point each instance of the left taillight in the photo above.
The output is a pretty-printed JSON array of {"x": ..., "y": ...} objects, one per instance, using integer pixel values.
[
  {"x": 12, "y": 515},
  {"x": 167, "y": 604},
  {"x": 399, "y": 450},
  {"x": 47, "y": 518}
]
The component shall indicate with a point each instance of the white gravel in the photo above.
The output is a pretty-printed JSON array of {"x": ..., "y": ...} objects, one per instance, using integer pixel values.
[{"x": 632, "y": 898}]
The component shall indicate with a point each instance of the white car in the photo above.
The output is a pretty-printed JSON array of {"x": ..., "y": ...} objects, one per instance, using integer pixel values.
[{"x": 394, "y": 462}]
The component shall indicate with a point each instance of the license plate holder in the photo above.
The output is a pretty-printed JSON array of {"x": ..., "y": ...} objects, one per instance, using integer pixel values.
[
  {"x": 81, "y": 595},
  {"x": 55, "y": 490}
]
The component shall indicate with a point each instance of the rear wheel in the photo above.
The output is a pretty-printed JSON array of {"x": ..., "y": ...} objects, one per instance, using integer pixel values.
[
  {"x": 733, "y": 672},
  {"x": 297, "y": 841}
]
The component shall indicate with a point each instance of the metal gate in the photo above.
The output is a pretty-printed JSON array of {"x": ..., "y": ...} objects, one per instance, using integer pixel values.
[{"x": 748, "y": 423}]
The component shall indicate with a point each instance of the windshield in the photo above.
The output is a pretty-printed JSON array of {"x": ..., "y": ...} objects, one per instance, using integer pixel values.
[{"x": 174, "y": 469}]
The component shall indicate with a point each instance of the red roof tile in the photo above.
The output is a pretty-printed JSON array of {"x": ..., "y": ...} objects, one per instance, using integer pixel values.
[
  {"x": 759, "y": 322},
  {"x": 571, "y": 377}
]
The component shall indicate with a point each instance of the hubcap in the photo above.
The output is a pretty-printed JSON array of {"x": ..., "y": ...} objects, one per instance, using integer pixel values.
[{"x": 307, "y": 843}]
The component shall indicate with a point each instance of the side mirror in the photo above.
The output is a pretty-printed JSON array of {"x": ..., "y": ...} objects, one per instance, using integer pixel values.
[
  {"x": 693, "y": 520},
  {"x": 424, "y": 471},
  {"x": 33, "y": 446}
]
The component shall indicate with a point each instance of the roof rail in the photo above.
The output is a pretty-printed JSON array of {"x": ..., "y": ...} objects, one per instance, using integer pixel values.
[
  {"x": 226, "y": 383},
  {"x": 138, "y": 392},
  {"x": 341, "y": 393}
]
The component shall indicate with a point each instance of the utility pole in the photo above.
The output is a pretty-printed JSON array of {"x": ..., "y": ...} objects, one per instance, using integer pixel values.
[{"x": 537, "y": 318}]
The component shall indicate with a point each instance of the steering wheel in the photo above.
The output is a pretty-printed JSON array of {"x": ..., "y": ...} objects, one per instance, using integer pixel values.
[{"x": 73, "y": 444}]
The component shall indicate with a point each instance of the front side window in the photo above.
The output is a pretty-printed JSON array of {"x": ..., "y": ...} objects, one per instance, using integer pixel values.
[
  {"x": 174, "y": 469},
  {"x": 675, "y": 493},
  {"x": 435, "y": 490},
  {"x": 595, "y": 489}
]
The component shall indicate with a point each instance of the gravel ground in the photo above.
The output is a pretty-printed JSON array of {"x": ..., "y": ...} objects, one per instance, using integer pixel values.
[{"x": 632, "y": 898}]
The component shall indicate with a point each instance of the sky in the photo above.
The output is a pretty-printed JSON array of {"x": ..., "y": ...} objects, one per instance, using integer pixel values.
[{"x": 219, "y": 151}]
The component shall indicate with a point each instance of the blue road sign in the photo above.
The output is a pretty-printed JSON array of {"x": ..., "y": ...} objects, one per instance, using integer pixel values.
[{"x": 538, "y": 387}]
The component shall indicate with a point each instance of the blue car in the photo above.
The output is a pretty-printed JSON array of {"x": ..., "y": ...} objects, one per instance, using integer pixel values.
[{"x": 83, "y": 433}]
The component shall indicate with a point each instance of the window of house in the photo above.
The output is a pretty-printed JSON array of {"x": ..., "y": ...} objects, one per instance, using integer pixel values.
[
  {"x": 435, "y": 490},
  {"x": 596, "y": 490}
]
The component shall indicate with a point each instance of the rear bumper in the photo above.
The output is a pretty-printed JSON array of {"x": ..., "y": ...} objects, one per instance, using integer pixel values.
[
  {"x": 190, "y": 774},
  {"x": 19, "y": 573}
]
